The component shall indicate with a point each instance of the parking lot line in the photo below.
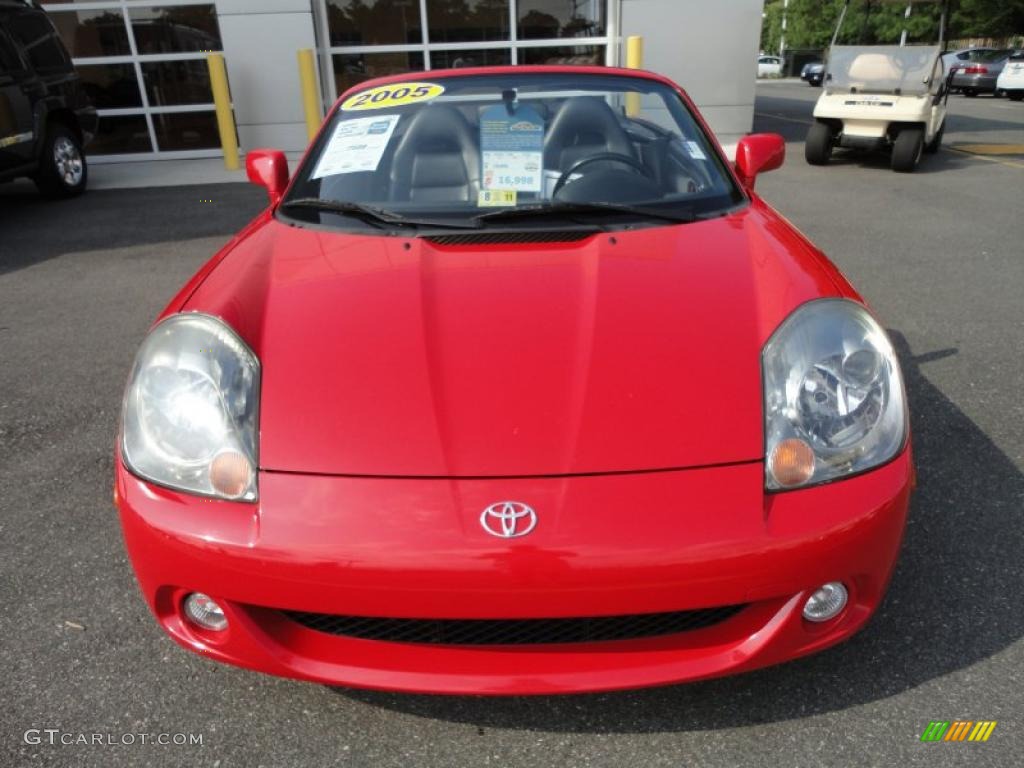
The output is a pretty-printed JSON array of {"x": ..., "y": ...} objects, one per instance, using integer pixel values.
[
  {"x": 962, "y": 149},
  {"x": 990, "y": 149},
  {"x": 784, "y": 118}
]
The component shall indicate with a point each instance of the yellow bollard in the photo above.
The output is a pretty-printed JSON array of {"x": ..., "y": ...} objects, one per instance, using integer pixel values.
[
  {"x": 225, "y": 117},
  {"x": 634, "y": 60},
  {"x": 310, "y": 102}
]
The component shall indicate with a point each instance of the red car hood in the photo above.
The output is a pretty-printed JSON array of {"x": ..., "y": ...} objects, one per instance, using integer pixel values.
[{"x": 401, "y": 357}]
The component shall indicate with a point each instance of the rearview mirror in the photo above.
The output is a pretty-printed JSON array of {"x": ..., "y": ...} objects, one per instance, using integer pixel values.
[
  {"x": 269, "y": 169},
  {"x": 758, "y": 153}
]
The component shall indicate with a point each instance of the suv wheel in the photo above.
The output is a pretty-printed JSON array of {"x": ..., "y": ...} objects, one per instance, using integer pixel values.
[
  {"x": 906, "y": 152},
  {"x": 63, "y": 171},
  {"x": 818, "y": 145}
]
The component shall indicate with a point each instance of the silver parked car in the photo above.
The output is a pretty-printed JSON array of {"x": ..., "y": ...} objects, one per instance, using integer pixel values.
[
  {"x": 979, "y": 72},
  {"x": 963, "y": 55}
]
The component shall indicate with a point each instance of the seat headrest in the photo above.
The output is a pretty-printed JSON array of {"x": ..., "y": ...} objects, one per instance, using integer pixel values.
[
  {"x": 874, "y": 67},
  {"x": 584, "y": 116}
]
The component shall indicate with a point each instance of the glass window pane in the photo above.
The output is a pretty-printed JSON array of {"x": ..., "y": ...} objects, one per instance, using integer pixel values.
[
  {"x": 110, "y": 86},
  {"x": 35, "y": 35},
  {"x": 350, "y": 69},
  {"x": 186, "y": 130},
  {"x": 374, "y": 22},
  {"x": 121, "y": 134},
  {"x": 563, "y": 54},
  {"x": 177, "y": 82},
  {"x": 175, "y": 29},
  {"x": 561, "y": 18},
  {"x": 92, "y": 33},
  {"x": 467, "y": 20},
  {"x": 9, "y": 59},
  {"x": 491, "y": 57}
]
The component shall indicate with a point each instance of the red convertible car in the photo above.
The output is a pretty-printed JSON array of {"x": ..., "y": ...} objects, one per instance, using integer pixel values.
[{"x": 515, "y": 387}]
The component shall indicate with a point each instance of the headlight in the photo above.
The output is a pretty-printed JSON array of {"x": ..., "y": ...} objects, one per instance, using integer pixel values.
[
  {"x": 190, "y": 411},
  {"x": 833, "y": 396}
]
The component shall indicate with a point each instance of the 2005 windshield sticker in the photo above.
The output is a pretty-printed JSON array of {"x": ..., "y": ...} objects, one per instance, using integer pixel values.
[
  {"x": 356, "y": 145},
  {"x": 396, "y": 95},
  {"x": 512, "y": 148}
]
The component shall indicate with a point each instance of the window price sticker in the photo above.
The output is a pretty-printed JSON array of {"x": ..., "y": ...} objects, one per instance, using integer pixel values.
[
  {"x": 496, "y": 198},
  {"x": 356, "y": 146},
  {"x": 512, "y": 148}
]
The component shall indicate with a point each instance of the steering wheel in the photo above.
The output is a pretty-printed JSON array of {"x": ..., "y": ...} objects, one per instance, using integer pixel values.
[{"x": 611, "y": 157}]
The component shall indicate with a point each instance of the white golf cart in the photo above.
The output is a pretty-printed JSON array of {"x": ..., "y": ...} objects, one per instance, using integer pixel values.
[{"x": 879, "y": 97}]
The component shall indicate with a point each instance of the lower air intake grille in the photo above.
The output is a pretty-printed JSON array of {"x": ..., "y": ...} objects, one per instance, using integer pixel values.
[{"x": 514, "y": 631}]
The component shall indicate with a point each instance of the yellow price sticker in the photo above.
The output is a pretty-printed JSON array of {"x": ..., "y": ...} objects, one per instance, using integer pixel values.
[
  {"x": 492, "y": 198},
  {"x": 396, "y": 95}
]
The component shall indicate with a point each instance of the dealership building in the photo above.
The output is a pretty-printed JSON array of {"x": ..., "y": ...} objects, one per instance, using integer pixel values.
[{"x": 143, "y": 61}]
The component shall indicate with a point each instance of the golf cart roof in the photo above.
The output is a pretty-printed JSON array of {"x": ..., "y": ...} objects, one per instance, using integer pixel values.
[{"x": 897, "y": 69}]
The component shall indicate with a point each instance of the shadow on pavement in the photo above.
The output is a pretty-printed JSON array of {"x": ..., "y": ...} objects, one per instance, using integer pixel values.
[
  {"x": 941, "y": 162},
  {"x": 952, "y": 603},
  {"x": 33, "y": 229}
]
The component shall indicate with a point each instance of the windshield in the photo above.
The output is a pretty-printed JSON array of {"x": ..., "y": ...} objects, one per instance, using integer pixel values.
[
  {"x": 453, "y": 149},
  {"x": 884, "y": 68}
]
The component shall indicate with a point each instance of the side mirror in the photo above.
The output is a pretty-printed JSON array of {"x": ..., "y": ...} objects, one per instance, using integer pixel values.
[
  {"x": 269, "y": 169},
  {"x": 758, "y": 153}
]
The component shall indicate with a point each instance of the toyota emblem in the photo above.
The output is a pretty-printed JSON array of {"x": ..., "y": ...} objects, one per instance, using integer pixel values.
[{"x": 508, "y": 519}]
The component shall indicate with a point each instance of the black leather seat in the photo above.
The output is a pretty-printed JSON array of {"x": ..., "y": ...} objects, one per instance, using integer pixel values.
[
  {"x": 437, "y": 159},
  {"x": 583, "y": 126}
]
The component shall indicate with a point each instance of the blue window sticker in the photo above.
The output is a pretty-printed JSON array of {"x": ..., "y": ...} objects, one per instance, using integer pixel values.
[{"x": 512, "y": 148}]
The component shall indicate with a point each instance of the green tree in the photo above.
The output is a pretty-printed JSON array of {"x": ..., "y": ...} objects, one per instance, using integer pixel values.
[
  {"x": 810, "y": 23},
  {"x": 987, "y": 18}
]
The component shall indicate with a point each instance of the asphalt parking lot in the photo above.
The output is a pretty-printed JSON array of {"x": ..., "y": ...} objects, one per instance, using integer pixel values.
[{"x": 940, "y": 256}]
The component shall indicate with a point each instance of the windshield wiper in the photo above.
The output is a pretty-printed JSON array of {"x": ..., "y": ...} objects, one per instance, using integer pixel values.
[
  {"x": 566, "y": 207},
  {"x": 378, "y": 217}
]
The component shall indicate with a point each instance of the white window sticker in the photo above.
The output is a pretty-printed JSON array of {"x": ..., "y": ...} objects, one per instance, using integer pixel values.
[
  {"x": 356, "y": 145},
  {"x": 695, "y": 151}
]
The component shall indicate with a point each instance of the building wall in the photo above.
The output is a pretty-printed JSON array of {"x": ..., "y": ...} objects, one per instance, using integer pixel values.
[
  {"x": 709, "y": 48},
  {"x": 144, "y": 61},
  {"x": 261, "y": 38}
]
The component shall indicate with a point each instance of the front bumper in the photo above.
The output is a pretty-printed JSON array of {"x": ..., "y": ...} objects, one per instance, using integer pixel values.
[{"x": 604, "y": 546}]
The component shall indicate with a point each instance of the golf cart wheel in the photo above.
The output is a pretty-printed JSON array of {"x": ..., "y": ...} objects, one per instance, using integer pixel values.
[
  {"x": 818, "y": 146},
  {"x": 1015, "y": 95},
  {"x": 63, "y": 171},
  {"x": 933, "y": 146},
  {"x": 907, "y": 149}
]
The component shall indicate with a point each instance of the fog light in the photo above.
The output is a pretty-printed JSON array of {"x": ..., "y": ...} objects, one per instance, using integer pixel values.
[
  {"x": 826, "y": 602},
  {"x": 204, "y": 612}
]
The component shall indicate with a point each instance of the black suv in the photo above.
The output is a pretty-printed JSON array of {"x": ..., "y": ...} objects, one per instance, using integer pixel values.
[{"x": 45, "y": 116}]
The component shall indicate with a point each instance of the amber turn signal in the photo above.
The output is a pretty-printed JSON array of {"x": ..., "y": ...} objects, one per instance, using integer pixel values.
[
  {"x": 791, "y": 462},
  {"x": 229, "y": 473}
]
